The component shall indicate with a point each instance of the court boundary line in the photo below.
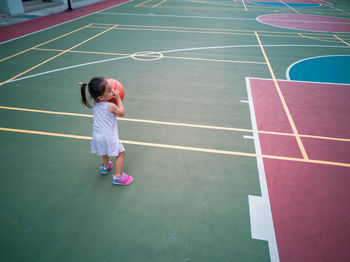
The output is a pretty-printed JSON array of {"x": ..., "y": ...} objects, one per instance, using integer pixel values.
[
  {"x": 285, "y": 106},
  {"x": 255, "y": 7},
  {"x": 261, "y": 220},
  {"x": 178, "y": 124},
  {"x": 223, "y": 7}
]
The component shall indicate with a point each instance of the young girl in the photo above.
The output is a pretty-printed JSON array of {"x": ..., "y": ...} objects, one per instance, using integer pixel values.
[{"x": 105, "y": 138}]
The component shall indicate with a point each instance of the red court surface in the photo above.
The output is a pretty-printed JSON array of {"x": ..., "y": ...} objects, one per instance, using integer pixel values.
[
  {"x": 310, "y": 210},
  {"x": 309, "y": 201},
  {"x": 21, "y": 29},
  {"x": 287, "y": 1},
  {"x": 307, "y": 22},
  {"x": 290, "y": 1}
]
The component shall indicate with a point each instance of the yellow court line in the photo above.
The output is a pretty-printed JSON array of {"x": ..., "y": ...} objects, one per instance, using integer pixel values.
[
  {"x": 178, "y": 27},
  {"x": 341, "y": 40},
  {"x": 222, "y": 31},
  {"x": 186, "y": 28},
  {"x": 289, "y": 6},
  {"x": 216, "y": 8},
  {"x": 208, "y": 29},
  {"x": 44, "y": 133},
  {"x": 143, "y": 3},
  {"x": 228, "y": 32},
  {"x": 227, "y": 8},
  {"x": 215, "y": 60},
  {"x": 338, "y": 9},
  {"x": 323, "y": 39},
  {"x": 185, "y": 148},
  {"x": 169, "y": 27},
  {"x": 222, "y": 128},
  {"x": 215, "y": 31},
  {"x": 44, "y": 43},
  {"x": 169, "y": 57},
  {"x": 289, "y": 116},
  {"x": 182, "y": 31},
  {"x": 81, "y": 52},
  {"x": 159, "y": 3},
  {"x": 245, "y": 7},
  {"x": 65, "y": 51}
]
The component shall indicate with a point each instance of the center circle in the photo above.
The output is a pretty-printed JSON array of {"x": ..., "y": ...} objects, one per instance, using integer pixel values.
[{"x": 147, "y": 56}]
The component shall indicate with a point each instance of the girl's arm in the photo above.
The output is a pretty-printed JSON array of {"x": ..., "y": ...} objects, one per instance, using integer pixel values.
[{"x": 119, "y": 108}]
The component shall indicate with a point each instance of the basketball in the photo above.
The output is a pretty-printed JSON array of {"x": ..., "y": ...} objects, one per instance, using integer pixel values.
[{"x": 116, "y": 85}]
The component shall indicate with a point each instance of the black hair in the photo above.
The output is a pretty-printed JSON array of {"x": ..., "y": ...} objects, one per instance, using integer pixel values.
[{"x": 96, "y": 87}]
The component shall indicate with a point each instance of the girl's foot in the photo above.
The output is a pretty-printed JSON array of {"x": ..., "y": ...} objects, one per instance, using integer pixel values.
[
  {"x": 123, "y": 180},
  {"x": 104, "y": 170}
]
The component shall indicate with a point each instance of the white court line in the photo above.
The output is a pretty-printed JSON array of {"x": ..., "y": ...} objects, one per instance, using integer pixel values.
[
  {"x": 259, "y": 207},
  {"x": 211, "y": 3},
  {"x": 178, "y": 16},
  {"x": 164, "y": 52},
  {"x": 244, "y": 101},
  {"x": 260, "y": 6},
  {"x": 248, "y": 137},
  {"x": 302, "y": 21}
]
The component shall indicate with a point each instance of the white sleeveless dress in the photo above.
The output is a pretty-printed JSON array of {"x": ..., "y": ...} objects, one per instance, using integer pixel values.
[{"x": 105, "y": 136}]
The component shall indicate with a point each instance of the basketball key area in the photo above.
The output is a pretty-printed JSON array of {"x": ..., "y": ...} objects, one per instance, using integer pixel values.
[{"x": 231, "y": 147}]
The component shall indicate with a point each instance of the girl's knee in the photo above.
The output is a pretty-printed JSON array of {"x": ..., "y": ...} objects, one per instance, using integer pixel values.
[{"x": 122, "y": 154}]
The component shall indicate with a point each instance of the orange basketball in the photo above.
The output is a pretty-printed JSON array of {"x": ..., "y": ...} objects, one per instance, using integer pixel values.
[{"x": 116, "y": 85}]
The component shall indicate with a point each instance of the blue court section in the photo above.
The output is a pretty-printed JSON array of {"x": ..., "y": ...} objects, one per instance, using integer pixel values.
[
  {"x": 329, "y": 69},
  {"x": 284, "y": 4}
]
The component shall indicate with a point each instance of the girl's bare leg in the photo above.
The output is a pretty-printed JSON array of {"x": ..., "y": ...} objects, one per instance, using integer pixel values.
[
  {"x": 105, "y": 160},
  {"x": 119, "y": 160}
]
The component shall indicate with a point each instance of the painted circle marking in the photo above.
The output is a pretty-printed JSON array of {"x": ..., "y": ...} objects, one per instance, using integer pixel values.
[
  {"x": 147, "y": 56},
  {"x": 316, "y": 23},
  {"x": 321, "y": 69}
]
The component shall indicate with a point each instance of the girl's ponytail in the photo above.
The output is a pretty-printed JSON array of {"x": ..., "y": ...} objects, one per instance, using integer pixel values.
[{"x": 83, "y": 95}]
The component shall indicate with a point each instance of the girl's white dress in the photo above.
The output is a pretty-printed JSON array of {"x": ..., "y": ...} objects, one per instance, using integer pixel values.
[{"x": 105, "y": 136}]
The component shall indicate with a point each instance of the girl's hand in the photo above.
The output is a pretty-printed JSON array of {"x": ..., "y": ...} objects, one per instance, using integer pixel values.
[{"x": 116, "y": 93}]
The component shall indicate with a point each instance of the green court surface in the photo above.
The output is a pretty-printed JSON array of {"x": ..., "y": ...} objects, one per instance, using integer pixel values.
[{"x": 187, "y": 132}]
